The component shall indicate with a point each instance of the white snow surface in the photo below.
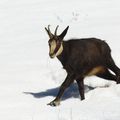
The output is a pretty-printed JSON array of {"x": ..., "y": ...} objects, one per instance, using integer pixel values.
[{"x": 29, "y": 79}]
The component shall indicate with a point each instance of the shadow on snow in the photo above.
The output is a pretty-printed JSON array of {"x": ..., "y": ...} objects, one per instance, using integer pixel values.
[{"x": 72, "y": 91}]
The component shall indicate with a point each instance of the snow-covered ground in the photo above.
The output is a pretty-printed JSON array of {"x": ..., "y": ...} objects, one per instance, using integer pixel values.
[{"x": 25, "y": 66}]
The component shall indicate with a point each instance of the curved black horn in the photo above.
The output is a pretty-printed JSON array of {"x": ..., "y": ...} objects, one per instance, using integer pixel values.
[
  {"x": 56, "y": 30},
  {"x": 49, "y": 28},
  {"x": 49, "y": 32}
]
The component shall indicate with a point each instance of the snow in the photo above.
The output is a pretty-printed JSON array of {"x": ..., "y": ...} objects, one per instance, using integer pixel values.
[{"x": 29, "y": 79}]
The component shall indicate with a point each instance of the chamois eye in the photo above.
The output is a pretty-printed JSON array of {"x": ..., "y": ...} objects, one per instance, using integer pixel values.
[{"x": 48, "y": 42}]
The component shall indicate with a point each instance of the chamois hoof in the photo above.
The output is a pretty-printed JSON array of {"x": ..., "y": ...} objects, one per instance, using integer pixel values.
[
  {"x": 82, "y": 99},
  {"x": 54, "y": 103}
]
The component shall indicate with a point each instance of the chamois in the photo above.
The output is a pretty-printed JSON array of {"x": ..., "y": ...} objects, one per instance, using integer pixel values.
[{"x": 81, "y": 58}]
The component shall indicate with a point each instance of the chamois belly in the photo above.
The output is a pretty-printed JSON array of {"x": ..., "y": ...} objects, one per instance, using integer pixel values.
[{"x": 96, "y": 70}]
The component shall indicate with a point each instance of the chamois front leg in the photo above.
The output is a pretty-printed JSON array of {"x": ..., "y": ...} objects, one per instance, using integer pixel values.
[
  {"x": 80, "y": 83},
  {"x": 69, "y": 79}
]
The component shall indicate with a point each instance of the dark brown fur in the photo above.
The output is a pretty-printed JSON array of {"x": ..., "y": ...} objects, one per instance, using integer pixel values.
[{"x": 85, "y": 57}]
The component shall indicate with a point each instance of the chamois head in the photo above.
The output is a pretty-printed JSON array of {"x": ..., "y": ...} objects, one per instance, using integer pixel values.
[{"x": 55, "y": 41}]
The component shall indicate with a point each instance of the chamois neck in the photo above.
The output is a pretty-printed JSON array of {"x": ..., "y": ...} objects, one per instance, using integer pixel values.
[{"x": 63, "y": 56}]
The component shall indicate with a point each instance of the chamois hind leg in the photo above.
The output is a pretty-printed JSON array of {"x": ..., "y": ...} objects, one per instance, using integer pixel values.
[
  {"x": 107, "y": 75},
  {"x": 112, "y": 66},
  {"x": 80, "y": 83}
]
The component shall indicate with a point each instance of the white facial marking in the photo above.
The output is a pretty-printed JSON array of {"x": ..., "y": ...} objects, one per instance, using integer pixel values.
[
  {"x": 60, "y": 50},
  {"x": 52, "y": 46},
  {"x": 52, "y": 49}
]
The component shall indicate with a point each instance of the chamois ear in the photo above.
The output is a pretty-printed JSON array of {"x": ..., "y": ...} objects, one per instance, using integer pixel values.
[{"x": 62, "y": 35}]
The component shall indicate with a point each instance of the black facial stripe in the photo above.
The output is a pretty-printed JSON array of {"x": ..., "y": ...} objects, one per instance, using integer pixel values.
[{"x": 57, "y": 47}]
